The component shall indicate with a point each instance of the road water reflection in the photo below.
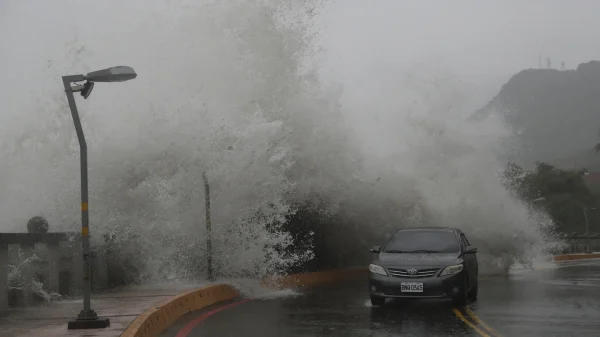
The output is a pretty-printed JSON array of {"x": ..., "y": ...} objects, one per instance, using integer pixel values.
[{"x": 551, "y": 302}]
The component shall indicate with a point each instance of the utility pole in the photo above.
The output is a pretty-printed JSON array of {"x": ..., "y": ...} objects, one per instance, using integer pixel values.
[{"x": 208, "y": 228}]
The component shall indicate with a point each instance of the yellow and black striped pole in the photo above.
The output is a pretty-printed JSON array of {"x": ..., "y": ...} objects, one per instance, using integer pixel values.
[
  {"x": 208, "y": 228},
  {"x": 87, "y": 313}
]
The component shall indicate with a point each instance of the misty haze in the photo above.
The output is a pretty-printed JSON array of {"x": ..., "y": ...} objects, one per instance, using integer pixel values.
[{"x": 323, "y": 127}]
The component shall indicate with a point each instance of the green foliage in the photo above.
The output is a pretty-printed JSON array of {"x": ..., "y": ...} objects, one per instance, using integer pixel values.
[{"x": 562, "y": 193}]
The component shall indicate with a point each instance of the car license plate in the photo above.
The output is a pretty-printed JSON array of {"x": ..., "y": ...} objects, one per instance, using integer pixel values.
[{"x": 411, "y": 287}]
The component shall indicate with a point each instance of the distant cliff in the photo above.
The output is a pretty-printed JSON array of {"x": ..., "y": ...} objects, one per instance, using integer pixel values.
[{"x": 555, "y": 115}]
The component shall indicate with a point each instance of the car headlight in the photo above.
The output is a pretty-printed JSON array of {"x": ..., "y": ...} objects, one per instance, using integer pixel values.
[
  {"x": 451, "y": 270},
  {"x": 375, "y": 269}
]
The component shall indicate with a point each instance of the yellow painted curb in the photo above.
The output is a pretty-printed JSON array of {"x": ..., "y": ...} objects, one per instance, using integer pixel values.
[
  {"x": 156, "y": 319},
  {"x": 572, "y": 257},
  {"x": 164, "y": 314}
]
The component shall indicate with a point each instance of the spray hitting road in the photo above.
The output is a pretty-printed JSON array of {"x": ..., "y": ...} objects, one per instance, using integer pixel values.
[{"x": 235, "y": 89}]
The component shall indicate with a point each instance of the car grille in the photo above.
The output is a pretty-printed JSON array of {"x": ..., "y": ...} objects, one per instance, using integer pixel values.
[{"x": 419, "y": 274}]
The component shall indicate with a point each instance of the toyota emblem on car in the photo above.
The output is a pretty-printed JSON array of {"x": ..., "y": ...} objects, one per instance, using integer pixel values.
[{"x": 412, "y": 271}]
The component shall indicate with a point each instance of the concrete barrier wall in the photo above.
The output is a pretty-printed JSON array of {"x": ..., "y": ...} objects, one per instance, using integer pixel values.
[
  {"x": 573, "y": 257},
  {"x": 315, "y": 278}
]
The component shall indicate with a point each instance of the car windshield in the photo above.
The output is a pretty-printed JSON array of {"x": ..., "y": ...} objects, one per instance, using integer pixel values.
[{"x": 423, "y": 242}]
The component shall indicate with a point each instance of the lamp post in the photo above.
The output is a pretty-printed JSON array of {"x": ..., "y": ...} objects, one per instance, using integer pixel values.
[
  {"x": 209, "y": 251},
  {"x": 209, "y": 267},
  {"x": 87, "y": 318},
  {"x": 587, "y": 223}
]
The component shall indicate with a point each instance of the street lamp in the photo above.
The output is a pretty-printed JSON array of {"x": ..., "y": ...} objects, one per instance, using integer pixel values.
[{"x": 87, "y": 318}]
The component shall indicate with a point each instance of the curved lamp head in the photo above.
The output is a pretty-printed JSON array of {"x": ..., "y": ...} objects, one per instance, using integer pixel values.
[
  {"x": 87, "y": 89},
  {"x": 114, "y": 74}
]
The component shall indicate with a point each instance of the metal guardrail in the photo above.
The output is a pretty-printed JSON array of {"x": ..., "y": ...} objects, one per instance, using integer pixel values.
[{"x": 581, "y": 243}]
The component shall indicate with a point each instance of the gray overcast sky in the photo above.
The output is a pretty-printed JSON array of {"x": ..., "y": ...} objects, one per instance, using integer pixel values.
[
  {"x": 502, "y": 36},
  {"x": 483, "y": 42}
]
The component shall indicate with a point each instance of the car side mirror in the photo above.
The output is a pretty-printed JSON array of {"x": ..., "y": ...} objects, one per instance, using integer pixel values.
[
  {"x": 375, "y": 249},
  {"x": 471, "y": 250}
]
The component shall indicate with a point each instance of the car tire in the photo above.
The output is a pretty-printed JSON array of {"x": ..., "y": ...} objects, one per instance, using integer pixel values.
[
  {"x": 377, "y": 301},
  {"x": 474, "y": 292},
  {"x": 461, "y": 299}
]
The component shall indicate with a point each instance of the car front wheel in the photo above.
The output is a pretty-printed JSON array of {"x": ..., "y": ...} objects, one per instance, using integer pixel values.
[
  {"x": 474, "y": 292},
  {"x": 461, "y": 298},
  {"x": 377, "y": 301}
]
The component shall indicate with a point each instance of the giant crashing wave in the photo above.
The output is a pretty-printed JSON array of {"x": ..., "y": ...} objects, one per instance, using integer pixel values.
[{"x": 232, "y": 89}]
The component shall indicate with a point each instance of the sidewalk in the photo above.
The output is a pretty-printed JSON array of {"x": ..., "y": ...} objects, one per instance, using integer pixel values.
[{"x": 122, "y": 307}]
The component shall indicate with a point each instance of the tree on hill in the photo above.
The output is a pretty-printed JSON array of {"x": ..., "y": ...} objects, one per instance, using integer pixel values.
[{"x": 562, "y": 193}]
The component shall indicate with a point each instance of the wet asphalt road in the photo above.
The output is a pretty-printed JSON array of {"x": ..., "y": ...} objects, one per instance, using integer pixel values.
[{"x": 550, "y": 302}]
